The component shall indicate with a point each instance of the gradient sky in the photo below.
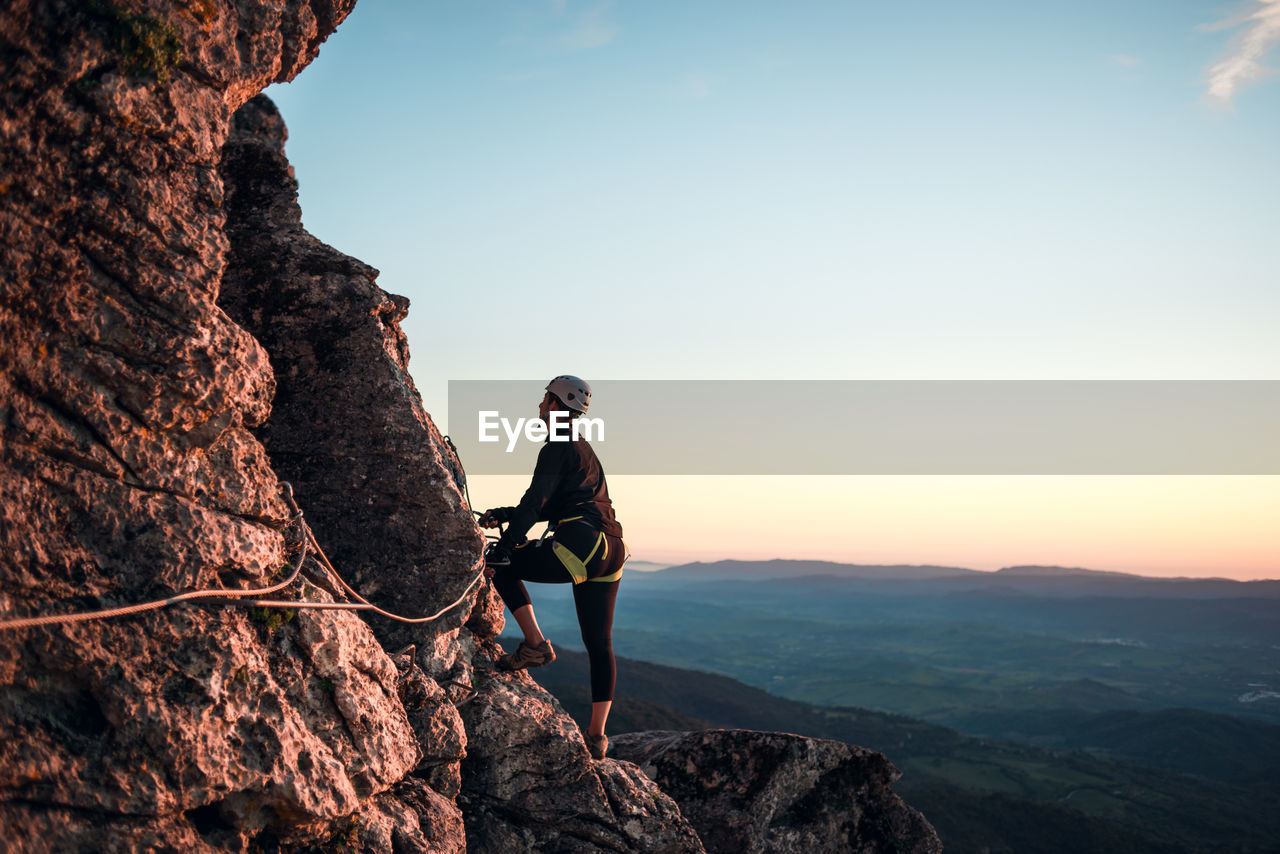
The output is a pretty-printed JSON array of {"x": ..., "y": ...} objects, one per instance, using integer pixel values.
[{"x": 837, "y": 190}]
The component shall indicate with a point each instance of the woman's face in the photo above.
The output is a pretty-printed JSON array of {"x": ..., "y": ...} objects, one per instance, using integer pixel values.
[{"x": 548, "y": 403}]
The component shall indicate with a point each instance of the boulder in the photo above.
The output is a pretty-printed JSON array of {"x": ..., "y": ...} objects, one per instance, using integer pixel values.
[
  {"x": 528, "y": 783},
  {"x": 751, "y": 792}
]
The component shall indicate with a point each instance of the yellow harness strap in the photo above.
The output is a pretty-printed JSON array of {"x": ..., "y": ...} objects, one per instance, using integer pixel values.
[
  {"x": 570, "y": 560},
  {"x": 613, "y": 576},
  {"x": 578, "y": 567}
]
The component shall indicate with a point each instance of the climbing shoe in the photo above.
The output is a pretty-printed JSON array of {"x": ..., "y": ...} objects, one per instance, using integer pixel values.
[
  {"x": 528, "y": 656},
  {"x": 597, "y": 745}
]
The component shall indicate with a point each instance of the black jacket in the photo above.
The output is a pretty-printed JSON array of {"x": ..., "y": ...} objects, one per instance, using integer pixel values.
[{"x": 567, "y": 481}]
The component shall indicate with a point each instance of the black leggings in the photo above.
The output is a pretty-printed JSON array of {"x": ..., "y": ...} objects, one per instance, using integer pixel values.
[{"x": 594, "y": 601}]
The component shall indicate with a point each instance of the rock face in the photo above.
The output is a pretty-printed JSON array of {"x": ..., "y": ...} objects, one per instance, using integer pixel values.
[
  {"x": 377, "y": 481},
  {"x": 530, "y": 785},
  {"x": 127, "y": 393},
  {"x": 129, "y": 469},
  {"x": 173, "y": 344},
  {"x": 755, "y": 792}
]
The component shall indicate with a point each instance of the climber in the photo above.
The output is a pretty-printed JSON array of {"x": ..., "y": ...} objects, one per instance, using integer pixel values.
[{"x": 584, "y": 547}]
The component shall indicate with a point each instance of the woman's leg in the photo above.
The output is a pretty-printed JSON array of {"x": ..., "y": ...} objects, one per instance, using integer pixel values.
[
  {"x": 528, "y": 563},
  {"x": 599, "y": 715},
  {"x": 528, "y": 624},
  {"x": 595, "y": 603}
]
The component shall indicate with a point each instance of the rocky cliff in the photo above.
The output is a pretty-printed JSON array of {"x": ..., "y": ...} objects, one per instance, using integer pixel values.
[
  {"x": 382, "y": 491},
  {"x": 174, "y": 346},
  {"x": 776, "y": 793}
]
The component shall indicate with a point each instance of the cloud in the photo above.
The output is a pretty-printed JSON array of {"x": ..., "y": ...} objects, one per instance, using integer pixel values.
[
  {"x": 1125, "y": 60},
  {"x": 700, "y": 85},
  {"x": 589, "y": 28},
  {"x": 1261, "y": 33}
]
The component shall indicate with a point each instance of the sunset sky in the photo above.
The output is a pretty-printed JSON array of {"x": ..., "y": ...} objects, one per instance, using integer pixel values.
[{"x": 834, "y": 190}]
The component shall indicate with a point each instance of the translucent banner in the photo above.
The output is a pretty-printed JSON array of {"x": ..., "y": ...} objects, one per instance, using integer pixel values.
[{"x": 811, "y": 427}]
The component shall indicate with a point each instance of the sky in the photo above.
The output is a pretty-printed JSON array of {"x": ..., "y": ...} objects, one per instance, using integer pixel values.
[{"x": 826, "y": 190}]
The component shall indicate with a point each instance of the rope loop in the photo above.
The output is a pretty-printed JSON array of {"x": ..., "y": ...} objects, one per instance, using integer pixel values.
[{"x": 239, "y": 596}]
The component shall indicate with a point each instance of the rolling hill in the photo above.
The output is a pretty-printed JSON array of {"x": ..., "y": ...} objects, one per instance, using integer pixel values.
[{"x": 1111, "y": 792}]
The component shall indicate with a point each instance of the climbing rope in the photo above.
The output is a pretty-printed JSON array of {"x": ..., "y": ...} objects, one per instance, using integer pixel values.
[
  {"x": 364, "y": 604},
  {"x": 466, "y": 490},
  {"x": 237, "y": 596},
  {"x": 214, "y": 593}
]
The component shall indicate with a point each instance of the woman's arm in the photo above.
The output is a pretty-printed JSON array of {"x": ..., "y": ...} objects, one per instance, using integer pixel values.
[{"x": 547, "y": 476}]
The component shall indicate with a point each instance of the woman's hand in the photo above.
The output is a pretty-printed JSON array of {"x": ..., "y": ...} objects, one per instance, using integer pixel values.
[
  {"x": 494, "y": 517},
  {"x": 494, "y": 556}
]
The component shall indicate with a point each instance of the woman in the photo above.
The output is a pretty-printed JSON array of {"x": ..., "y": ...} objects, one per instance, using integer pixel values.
[{"x": 584, "y": 548}]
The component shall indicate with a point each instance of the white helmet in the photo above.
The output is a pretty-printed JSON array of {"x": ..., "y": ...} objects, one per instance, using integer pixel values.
[{"x": 571, "y": 391}]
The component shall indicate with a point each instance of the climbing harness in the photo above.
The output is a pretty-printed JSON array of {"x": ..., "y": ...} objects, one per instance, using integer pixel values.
[
  {"x": 234, "y": 596},
  {"x": 574, "y": 565}
]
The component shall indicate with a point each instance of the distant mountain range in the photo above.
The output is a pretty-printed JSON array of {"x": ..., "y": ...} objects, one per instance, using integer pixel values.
[
  {"x": 1168, "y": 782},
  {"x": 779, "y": 568},
  {"x": 1051, "y": 709},
  {"x": 646, "y": 565},
  {"x": 1028, "y": 580}
]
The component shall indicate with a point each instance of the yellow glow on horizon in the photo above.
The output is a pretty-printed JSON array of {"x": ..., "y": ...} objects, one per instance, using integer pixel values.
[{"x": 1197, "y": 526}]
